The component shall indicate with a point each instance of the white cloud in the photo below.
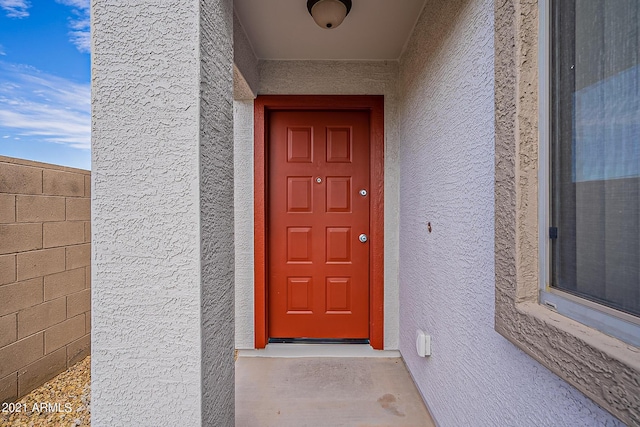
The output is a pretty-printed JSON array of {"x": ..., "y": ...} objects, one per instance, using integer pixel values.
[
  {"x": 15, "y": 8},
  {"x": 80, "y": 24},
  {"x": 2, "y": 52},
  {"x": 78, "y": 4},
  {"x": 41, "y": 106},
  {"x": 82, "y": 40}
]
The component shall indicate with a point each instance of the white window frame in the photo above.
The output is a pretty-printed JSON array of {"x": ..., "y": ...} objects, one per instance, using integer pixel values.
[{"x": 618, "y": 324}]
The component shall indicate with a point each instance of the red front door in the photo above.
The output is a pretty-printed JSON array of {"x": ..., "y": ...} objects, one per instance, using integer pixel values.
[{"x": 318, "y": 268}]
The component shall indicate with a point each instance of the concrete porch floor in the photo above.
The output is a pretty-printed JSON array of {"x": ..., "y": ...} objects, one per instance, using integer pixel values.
[{"x": 327, "y": 391}]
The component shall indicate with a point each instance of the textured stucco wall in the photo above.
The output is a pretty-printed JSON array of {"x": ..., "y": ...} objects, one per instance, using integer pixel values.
[
  {"x": 446, "y": 124},
  {"x": 243, "y": 199},
  {"x": 162, "y": 256},
  {"x": 245, "y": 63},
  {"x": 319, "y": 78},
  {"x": 216, "y": 212}
]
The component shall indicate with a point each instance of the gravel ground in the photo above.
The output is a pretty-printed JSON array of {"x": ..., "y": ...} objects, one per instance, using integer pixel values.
[{"x": 63, "y": 401}]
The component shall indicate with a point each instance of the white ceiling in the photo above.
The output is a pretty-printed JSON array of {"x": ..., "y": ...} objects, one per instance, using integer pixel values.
[{"x": 373, "y": 30}]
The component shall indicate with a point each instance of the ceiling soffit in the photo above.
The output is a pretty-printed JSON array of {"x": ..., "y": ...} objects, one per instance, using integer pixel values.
[{"x": 284, "y": 30}]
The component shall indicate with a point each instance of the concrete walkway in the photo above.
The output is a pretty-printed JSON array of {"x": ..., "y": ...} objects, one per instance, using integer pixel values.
[{"x": 327, "y": 392}]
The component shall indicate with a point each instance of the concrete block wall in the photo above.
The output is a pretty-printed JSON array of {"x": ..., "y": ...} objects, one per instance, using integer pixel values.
[{"x": 45, "y": 277}]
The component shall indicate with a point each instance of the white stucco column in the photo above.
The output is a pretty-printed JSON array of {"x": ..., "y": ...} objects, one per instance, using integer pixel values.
[{"x": 162, "y": 213}]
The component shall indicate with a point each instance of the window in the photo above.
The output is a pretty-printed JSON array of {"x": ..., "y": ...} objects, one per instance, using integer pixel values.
[
  {"x": 583, "y": 339},
  {"x": 593, "y": 218}
]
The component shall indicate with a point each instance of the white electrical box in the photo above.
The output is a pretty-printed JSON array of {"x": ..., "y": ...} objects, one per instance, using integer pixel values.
[{"x": 423, "y": 344}]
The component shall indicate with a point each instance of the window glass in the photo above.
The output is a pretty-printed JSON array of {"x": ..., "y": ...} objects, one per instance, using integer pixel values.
[{"x": 595, "y": 151}]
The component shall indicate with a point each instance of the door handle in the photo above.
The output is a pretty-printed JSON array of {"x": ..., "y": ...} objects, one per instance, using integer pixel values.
[{"x": 363, "y": 238}]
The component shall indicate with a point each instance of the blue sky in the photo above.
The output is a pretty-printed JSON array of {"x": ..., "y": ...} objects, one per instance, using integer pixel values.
[{"x": 45, "y": 96}]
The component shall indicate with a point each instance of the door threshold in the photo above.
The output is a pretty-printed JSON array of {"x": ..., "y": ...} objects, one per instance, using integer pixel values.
[
  {"x": 318, "y": 341},
  {"x": 317, "y": 350}
]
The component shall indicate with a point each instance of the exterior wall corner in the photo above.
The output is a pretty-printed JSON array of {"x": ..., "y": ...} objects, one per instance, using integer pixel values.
[{"x": 162, "y": 217}]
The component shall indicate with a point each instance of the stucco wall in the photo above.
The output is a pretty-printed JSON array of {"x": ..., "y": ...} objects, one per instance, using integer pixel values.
[
  {"x": 216, "y": 213},
  {"x": 162, "y": 218},
  {"x": 243, "y": 202},
  {"x": 317, "y": 78},
  {"x": 446, "y": 124},
  {"x": 245, "y": 64},
  {"x": 45, "y": 273}
]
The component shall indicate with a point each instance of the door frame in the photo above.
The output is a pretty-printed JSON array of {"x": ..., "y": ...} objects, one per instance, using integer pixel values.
[{"x": 374, "y": 105}]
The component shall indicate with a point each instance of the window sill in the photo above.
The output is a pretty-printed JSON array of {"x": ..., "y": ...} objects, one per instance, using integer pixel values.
[
  {"x": 609, "y": 321},
  {"x": 602, "y": 367}
]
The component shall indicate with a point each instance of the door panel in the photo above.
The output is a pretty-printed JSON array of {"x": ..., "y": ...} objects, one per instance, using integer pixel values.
[{"x": 318, "y": 270}]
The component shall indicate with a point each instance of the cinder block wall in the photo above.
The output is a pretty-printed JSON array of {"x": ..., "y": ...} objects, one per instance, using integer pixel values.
[{"x": 45, "y": 277}]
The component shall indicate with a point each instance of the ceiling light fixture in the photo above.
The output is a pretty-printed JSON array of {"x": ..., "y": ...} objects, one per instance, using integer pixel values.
[{"x": 329, "y": 13}]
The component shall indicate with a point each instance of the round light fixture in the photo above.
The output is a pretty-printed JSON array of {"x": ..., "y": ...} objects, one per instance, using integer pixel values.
[{"x": 329, "y": 14}]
